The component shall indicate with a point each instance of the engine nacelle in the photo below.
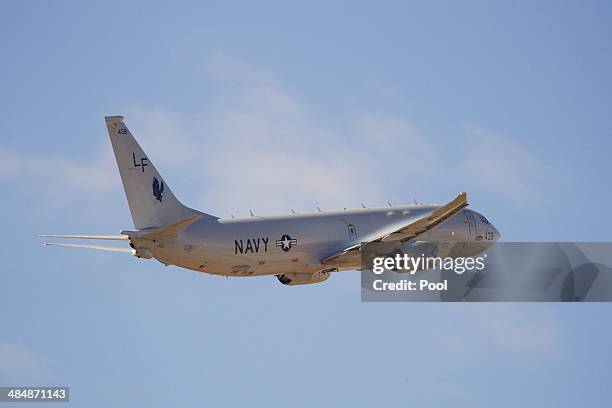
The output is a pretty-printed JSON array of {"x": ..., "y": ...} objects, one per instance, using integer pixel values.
[
  {"x": 302, "y": 278},
  {"x": 418, "y": 248}
]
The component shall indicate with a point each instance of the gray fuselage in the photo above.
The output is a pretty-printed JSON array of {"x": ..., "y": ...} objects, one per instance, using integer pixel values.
[{"x": 297, "y": 243}]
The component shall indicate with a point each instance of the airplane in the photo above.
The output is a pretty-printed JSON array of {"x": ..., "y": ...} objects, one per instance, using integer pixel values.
[{"x": 297, "y": 248}]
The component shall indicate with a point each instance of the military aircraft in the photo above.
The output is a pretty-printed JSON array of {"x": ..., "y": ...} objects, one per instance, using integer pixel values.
[{"x": 297, "y": 248}]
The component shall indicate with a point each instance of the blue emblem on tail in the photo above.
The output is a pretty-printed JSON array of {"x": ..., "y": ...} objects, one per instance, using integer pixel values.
[{"x": 158, "y": 189}]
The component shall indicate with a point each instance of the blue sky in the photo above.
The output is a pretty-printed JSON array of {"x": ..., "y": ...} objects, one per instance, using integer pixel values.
[{"x": 275, "y": 106}]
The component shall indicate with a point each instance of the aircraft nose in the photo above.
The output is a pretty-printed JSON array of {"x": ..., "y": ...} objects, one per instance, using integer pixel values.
[
  {"x": 491, "y": 234},
  {"x": 494, "y": 233}
]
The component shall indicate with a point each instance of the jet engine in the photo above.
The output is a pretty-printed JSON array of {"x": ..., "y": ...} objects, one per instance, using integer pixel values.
[
  {"x": 302, "y": 278},
  {"x": 418, "y": 248}
]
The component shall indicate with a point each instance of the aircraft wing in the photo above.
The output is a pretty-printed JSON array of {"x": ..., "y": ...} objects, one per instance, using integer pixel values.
[{"x": 405, "y": 233}]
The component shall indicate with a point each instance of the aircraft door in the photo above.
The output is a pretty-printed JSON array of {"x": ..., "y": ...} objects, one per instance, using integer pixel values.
[{"x": 352, "y": 232}]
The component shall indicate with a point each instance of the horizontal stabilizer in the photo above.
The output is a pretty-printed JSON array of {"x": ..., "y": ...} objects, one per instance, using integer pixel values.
[
  {"x": 101, "y": 237},
  {"x": 169, "y": 231},
  {"x": 97, "y": 247}
]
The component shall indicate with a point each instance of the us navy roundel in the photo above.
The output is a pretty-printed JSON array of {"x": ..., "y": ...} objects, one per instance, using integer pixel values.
[{"x": 286, "y": 242}]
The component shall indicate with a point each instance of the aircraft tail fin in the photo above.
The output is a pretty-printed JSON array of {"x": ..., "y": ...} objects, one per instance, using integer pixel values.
[{"x": 150, "y": 199}]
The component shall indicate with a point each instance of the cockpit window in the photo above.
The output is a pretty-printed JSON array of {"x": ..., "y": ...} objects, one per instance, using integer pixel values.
[{"x": 483, "y": 219}]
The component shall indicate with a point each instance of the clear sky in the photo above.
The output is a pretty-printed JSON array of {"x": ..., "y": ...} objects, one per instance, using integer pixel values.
[{"x": 270, "y": 106}]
